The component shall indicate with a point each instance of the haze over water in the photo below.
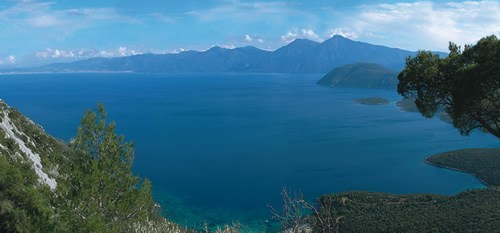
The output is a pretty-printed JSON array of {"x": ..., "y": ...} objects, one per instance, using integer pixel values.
[{"x": 219, "y": 147}]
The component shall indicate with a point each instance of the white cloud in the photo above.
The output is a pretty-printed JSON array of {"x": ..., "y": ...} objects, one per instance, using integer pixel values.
[
  {"x": 44, "y": 21},
  {"x": 11, "y": 59},
  {"x": 124, "y": 51},
  {"x": 33, "y": 14},
  {"x": 57, "y": 53},
  {"x": 265, "y": 12},
  {"x": 163, "y": 18},
  {"x": 345, "y": 32},
  {"x": 429, "y": 25},
  {"x": 85, "y": 53},
  {"x": 303, "y": 33},
  {"x": 236, "y": 9},
  {"x": 175, "y": 51},
  {"x": 248, "y": 38},
  {"x": 228, "y": 46},
  {"x": 253, "y": 39}
]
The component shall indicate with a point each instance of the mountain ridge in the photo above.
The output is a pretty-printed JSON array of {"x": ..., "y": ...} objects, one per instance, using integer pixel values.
[{"x": 299, "y": 56}]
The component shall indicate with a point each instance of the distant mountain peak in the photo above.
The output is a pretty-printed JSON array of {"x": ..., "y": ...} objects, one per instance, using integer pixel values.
[
  {"x": 299, "y": 56},
  {"x": 301, "y": 41},
  {"x": 298, "y": 45},
  {"x": 249, "y": 48},
  {"x": 337, "y": 39},
  {"x": 216, "y": 49}
]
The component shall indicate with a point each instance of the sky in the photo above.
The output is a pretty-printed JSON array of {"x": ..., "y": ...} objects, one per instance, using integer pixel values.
[{"x": 35, "y": 32}]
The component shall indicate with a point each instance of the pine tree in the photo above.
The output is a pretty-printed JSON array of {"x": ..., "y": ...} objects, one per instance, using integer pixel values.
[
  {"x": 103, "y": 194},
  {"x": 466, "y": 84}
]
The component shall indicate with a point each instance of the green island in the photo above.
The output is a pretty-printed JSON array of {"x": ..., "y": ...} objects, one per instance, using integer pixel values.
[
  {"x": 361, "y": 75},
  {"x": 482, "y": 163},
  {"x": 371, "y": 101}
]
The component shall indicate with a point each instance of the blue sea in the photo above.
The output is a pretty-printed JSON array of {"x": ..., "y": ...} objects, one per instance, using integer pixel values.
[{"x": 220, "y": 147}]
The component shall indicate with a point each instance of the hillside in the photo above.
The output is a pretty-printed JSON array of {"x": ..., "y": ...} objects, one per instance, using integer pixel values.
[
  {"x": 47, "y": 185},
  {"x": 470, "y": 211},
  {"x": 22, "y": 138},
  {"x": 29, "y": 173},
  {"x": 300, "y": 56},
  {"x": 361, "y": 75}
]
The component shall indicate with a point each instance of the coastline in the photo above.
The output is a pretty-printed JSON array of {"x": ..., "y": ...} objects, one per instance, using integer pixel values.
[
  {"x": 426, "y": 160},
  {"x": 371, "y": 101}
]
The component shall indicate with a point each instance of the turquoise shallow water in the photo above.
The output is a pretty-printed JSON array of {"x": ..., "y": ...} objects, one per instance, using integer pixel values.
[{"x": 219, "y": 147}]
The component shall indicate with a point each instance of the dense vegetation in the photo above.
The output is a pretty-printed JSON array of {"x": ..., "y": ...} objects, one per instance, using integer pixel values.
[
  {"x": 96, "y": 190},
  {"x": 24, "y": 203},
  {"x": 466, "y": 84},
  {"x": 361, "y": 75},
  {"x": 483, "y": 163},
  {"x": 470, "y": 211},
  {"x": 102, "y": 189}
]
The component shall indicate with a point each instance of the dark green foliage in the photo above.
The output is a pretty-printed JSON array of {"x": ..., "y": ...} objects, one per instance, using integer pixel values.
[
  {"x": 361, "y": 75},
  {"x": 471, "y": 211},
  {"x": 466, "y": 84},
  {"x": 483, "y": 163},
  {"x": 24, "y": 203},
  {"x": 104, "y": 195},
  {"x": 96, "y": 190},
  {"x": 11, "y": 144}
]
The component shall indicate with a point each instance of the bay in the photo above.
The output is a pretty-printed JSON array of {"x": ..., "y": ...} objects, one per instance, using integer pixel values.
[{"x": 220, "y": 147}]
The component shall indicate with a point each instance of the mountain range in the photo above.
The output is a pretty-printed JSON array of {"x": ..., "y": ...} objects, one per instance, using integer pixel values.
[{"x": 300, "y": 56}]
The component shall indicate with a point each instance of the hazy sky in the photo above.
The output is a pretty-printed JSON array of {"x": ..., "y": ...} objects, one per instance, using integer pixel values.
[{"x": 34, "y": 31}]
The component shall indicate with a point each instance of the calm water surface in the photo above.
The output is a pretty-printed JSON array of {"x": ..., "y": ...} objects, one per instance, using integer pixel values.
[{"x": 219, "y": 147}]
